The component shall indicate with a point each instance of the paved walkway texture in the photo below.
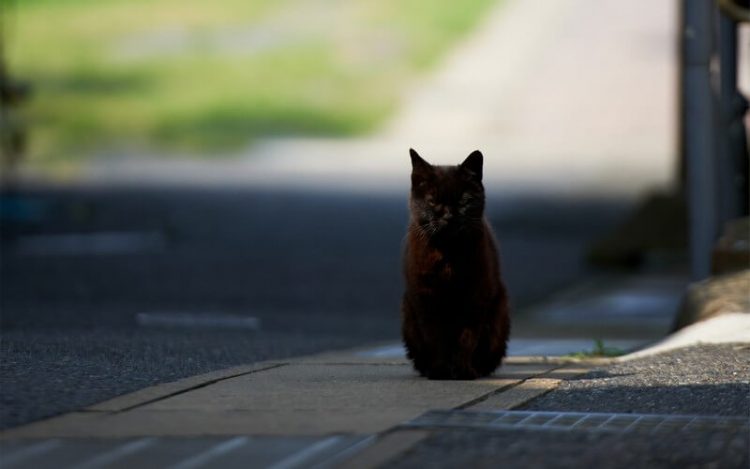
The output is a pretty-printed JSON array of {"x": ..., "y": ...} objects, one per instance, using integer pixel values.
[
  {"x": 348, "y": 409},
  {"x": 320, "y": 395}
]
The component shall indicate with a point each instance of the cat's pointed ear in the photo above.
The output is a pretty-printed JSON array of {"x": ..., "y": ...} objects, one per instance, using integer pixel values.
[
  {"x": 418, "y": 164},
  {"x": 420, "y": 169},
  {"x": 473, "y": 164}
]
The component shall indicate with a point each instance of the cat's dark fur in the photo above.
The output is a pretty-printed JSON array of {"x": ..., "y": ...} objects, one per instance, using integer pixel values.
[{"x": 455, "y": 318}]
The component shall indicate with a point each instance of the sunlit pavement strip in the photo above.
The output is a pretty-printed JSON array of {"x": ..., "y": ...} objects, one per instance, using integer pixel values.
[{"x": 525, "y": 347}]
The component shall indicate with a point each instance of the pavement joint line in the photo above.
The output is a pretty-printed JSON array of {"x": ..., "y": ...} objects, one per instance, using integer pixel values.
[
  {"x": 505, "y": 388},
  {"x": 197, "y": 386},
  {"x": 486, "y": 396},
  {"x": 546, "y": 391}
]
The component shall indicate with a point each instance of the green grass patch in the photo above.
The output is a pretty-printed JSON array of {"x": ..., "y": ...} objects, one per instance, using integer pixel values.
[
  {"x": 599, "y": 350},
  {"x": 210, "y": 77}
]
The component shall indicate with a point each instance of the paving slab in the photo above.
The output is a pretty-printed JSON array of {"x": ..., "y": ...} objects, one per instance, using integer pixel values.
[
  {"x": 154, "y": 393},
  {"x": 341, "y": 392}
]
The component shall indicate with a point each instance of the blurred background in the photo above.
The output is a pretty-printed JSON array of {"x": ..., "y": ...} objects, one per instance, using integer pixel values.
[{"x": 191, "y": 185}]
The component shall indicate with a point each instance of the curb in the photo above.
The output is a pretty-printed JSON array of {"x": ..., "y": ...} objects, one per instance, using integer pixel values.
[{"x": 722, "y": 294}]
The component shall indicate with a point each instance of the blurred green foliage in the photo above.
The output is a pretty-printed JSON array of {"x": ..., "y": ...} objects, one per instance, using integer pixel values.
[{"x": 210, "y": 77}]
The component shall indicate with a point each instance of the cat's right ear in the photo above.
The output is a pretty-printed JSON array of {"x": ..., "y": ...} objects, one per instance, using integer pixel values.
[
  {"x": 418, "y": 164},
  {"x": 420, "y": 169}
]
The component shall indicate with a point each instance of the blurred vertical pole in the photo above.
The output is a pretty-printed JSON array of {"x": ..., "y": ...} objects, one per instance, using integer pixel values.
[
  {"x": 12, "y": 95},
  {"x": 6, "y": 126},
  {"x": 698, "y": 131},
  {"x": 733, "y": 150}
]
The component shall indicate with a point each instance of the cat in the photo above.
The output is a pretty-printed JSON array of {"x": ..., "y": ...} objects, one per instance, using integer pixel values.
[{"x": 455, "y": 310}]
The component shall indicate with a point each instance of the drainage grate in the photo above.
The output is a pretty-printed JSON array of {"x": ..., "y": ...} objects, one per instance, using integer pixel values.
[{"x": 570, "y": 421}]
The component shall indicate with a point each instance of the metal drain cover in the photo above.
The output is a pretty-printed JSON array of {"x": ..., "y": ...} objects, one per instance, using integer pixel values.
[{"x": 571, "y": 421}]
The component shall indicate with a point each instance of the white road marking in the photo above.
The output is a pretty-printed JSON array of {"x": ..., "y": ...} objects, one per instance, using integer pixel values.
[
  {"x": 212, "y": 453},
  {"x": 198, "y": 320},
  {"x": 341, "y": 455},
  {"x": 386, "y": 351},
  {"x": 108, "y": 457},
  {"x": 27, "y": 452},
  {"x": 304, "y": 455}
]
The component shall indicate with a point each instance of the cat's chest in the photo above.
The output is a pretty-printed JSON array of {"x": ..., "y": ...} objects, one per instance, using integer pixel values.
[{"x": 437, "y": 266}]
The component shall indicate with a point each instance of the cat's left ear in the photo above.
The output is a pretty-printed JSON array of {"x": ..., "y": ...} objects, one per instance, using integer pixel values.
[{"x": 473, "y": 164}]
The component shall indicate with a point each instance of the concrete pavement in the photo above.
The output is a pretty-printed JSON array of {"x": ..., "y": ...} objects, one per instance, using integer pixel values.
[
  {"x": 327, "y": 394},
  {"x": 349, "y": 409}
]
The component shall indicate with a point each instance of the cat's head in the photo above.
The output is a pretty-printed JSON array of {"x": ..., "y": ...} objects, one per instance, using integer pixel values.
[{"x": 447, "y": 200}]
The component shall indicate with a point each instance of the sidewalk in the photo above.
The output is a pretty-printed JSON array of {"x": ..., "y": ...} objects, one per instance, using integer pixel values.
[
  {"x": 350, "y": 409},
  {"x": 367, "y": 408},
  {"x": 346, "y": 392}
]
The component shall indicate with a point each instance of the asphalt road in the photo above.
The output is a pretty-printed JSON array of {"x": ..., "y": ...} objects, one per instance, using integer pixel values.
[{"x": 319, "y": 270}]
